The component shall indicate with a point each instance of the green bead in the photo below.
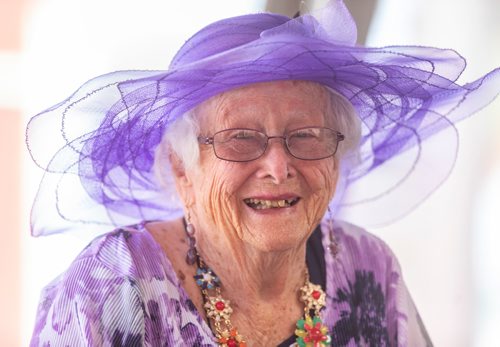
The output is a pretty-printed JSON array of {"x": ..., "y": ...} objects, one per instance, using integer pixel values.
[
  {"x": 300, "y": 342},
  {"x": 300, "y": 324},
  {"x": 316, "y": 319}
]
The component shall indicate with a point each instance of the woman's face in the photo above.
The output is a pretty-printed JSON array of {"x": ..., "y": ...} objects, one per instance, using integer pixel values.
[{"x": 274, "y": 202}]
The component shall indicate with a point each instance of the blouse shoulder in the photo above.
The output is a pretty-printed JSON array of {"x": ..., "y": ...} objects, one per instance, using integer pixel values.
[
  {"x": 365, "y": 280},
  {"x": 120, "y": 290},
  {"x": 360, "y": 248},
  {"x": 344, "y": 230},
  {"x": 126, "y": 252},
  {"x": 79, "y": 307}
]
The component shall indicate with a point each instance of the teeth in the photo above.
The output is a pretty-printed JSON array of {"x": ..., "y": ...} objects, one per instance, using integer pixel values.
[{"x": 265, "y": 204}]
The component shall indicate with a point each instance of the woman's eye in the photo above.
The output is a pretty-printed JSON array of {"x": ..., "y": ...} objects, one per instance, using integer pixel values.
[
  {"x": 304, "y": 134},
  {"x": 243, "y": 135}
]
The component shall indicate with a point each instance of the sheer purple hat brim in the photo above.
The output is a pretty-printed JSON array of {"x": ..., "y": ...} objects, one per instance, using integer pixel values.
[{"x": 98, "y": 164}]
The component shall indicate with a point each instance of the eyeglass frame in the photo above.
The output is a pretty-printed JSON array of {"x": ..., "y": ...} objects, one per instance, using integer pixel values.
[{"x": 209, "y": 140}]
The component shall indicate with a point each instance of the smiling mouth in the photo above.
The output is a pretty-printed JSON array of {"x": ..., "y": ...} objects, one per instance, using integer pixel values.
[{"x": 259, "y": 204}]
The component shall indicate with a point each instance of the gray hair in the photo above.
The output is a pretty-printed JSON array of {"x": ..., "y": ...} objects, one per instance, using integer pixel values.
[{"x": 182, "y": 136}]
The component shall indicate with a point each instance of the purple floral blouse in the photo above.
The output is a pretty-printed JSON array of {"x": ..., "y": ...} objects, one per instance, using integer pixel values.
[{"x": 122, "y": 291}]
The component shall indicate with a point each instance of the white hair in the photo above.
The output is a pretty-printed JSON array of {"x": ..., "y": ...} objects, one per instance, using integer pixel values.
[
  {"x": 346, "y": 121},
  {"x": 181, "y": 137}
]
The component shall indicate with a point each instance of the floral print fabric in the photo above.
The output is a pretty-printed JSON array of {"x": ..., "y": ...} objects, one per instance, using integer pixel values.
[{"x": 122, "y": 291}]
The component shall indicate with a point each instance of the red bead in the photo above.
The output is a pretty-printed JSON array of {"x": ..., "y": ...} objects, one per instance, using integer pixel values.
[
  {"x": 316, "y": 294},
  {"x": 219, "y": 305},
  {"x": 232, "y": 343},
  {"x": 315, "y": 335}
]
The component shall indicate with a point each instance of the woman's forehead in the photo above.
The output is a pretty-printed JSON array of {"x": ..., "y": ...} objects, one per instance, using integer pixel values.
[{"x": 298, "y": 96}]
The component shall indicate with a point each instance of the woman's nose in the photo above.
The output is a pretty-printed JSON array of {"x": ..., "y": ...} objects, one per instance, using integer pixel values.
[{"x": 277, "y": 161}]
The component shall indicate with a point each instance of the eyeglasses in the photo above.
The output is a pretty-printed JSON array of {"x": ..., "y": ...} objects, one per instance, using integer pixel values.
[{"x": 240, "y": 145}]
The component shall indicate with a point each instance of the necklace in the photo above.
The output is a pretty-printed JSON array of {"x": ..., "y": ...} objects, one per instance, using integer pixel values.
[{"x": 310, "y": 331}]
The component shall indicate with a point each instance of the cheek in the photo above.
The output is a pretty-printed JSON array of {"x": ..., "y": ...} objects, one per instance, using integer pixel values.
[
  {"x": 331, "y": 179},
  {"x": 322, "y": 182},
  {"x": 217, "y": 198}
]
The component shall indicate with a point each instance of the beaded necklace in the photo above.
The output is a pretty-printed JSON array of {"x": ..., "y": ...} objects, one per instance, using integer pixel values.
[{"x": 310, "y": 331}]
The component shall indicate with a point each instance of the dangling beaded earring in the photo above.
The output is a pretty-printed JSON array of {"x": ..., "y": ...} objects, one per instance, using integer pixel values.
[
  {"x": 190, "y": 231},
  {"x": 333, "y": 246}
]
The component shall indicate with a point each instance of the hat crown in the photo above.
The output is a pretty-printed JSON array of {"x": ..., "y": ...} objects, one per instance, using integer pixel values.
[
  {"x": 333, "y": 24},
  {"x": 224, "y": 35}
]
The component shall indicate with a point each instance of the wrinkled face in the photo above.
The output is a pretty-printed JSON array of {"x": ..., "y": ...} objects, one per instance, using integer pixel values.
[{"x": 272, "y": 203}]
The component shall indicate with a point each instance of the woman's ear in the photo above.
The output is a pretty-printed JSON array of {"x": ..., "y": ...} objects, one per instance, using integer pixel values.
[{"x": 181, "y": 179}]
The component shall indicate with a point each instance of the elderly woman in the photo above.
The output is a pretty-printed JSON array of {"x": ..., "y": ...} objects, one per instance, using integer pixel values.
[{"x": 264, "y": 125}]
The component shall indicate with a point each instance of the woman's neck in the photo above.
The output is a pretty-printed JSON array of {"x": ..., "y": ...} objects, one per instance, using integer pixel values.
[{"x": 250, "y": 273}]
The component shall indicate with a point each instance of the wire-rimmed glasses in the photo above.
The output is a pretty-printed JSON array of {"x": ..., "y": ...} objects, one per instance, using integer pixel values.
[{"x": 240, "y": 144}]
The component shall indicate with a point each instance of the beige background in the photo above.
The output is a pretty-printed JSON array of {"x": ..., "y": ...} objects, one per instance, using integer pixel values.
[{"x": 11, "y": 125}]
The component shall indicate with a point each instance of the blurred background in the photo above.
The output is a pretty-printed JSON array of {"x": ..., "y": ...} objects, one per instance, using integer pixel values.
[{"x": 448, "y": 246}]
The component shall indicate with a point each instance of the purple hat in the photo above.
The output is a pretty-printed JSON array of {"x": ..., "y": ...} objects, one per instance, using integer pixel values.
[{"x": 98, "y": 168}]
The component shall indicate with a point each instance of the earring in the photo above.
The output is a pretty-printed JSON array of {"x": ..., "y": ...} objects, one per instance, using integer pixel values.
[
  {"x": 190, "y": 231},
  {"x": 333, "y": 246}
]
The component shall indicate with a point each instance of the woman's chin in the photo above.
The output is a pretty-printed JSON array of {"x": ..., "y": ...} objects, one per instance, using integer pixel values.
[
  {"x": 275, "y": 229},
  {"x": 276, "y": 243}
]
